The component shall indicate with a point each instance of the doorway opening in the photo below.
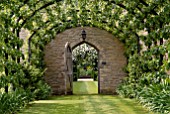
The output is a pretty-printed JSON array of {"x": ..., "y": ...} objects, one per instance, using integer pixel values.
[{"x": 85, "y": 69}]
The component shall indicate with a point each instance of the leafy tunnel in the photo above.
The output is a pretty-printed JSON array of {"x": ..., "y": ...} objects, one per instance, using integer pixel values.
[{"x": 143, "y": 26}]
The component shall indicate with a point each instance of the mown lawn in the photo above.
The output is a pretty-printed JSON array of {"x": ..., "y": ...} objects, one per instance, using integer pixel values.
[
  {"x": 85, "y": 87},
  {"x": 85, "y": 104}
]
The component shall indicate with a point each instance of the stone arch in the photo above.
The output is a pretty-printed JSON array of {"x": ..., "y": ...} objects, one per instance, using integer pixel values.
[
  {"x": 111, "y": 58},
  {"x": 86, "y": 43}
]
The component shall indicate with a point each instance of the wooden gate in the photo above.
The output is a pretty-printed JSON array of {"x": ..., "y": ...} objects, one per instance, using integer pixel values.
[{"x": 68, "y": 69}]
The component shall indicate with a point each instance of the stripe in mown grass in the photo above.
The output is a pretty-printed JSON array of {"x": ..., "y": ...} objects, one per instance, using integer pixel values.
[{"x": 85, "y": 104}]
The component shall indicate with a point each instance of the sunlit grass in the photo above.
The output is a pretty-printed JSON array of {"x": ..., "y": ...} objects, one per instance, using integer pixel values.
[
  {"x": 85, "y": 104},
  {"x": 85, "y": 87}
]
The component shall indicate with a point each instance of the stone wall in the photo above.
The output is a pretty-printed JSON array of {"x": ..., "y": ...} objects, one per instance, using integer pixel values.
[{"x": 111, "y": 58}]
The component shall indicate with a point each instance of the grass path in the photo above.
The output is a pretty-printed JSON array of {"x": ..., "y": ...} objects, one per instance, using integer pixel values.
[
  {"x": 85, "y": 104},
  {"x": 85, "y": 87}
]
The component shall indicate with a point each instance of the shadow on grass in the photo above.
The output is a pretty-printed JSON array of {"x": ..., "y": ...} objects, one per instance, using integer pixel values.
[{"x": 53, "y": 108}]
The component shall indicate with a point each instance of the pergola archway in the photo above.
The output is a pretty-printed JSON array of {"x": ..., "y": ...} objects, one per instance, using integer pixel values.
[
  {"x": 132, "y": 22},
  {"x": 142, "y": 25}
]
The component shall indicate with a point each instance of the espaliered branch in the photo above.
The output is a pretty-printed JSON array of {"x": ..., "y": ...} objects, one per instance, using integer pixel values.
[{"x": 143, "y": 26}]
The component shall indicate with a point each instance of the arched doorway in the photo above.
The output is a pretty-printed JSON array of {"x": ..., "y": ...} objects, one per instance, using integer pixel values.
[
  {"x": 85, "y": 68},
  {"x": 111, "y": 58}
]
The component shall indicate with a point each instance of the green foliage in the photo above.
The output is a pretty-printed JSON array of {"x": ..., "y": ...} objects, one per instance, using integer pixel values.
[
  {"x": 156, "y": 98},
  {"x": 42, "y": 91},
  {"x": 12, "y": 102},
  {"x": 33, "y": 81},
  {"x": 150, "y": 85},
  {"x": 85, "y": 61},
  {"x": 143, "y": 27}
]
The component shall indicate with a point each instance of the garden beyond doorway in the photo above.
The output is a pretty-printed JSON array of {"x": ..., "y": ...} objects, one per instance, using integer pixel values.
[
  {"x": 85, "y": 68},
  {"x": 85, "y": 62}
]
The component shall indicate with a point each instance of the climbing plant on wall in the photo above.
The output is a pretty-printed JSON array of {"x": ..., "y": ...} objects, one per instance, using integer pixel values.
[{"x": 143, "y": 26}]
